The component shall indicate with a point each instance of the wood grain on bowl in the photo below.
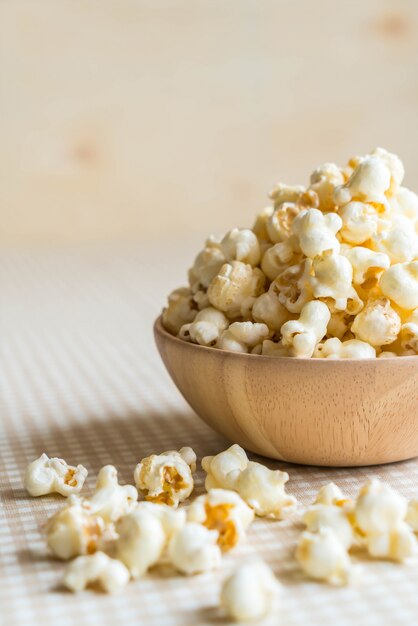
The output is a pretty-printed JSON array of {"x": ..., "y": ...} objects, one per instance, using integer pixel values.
[{"x": 309, "y": 411}]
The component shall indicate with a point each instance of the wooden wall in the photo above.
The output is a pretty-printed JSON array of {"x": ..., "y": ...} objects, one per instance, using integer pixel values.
[{"x": 121, "y": 119}]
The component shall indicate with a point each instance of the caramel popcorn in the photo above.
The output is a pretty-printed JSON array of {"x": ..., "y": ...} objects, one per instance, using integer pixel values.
[{"x": 348, "y": 240}]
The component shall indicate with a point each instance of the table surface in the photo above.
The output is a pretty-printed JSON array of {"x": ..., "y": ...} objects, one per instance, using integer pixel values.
[{"x": 80, "y": 378}]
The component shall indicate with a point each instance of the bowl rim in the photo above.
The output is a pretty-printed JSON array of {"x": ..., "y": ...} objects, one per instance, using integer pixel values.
[{"x": 159, "y": 328}]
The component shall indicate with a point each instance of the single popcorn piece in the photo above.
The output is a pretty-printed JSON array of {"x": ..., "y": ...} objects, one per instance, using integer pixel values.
[
  {"x": 292, "y": 287},
  {"x": 333, "y": 517},
  {"x": 368, "y": 183},
  {"x": 261, "y": 488},
  {"x": 405, "y": 202},
  {"x": 286, "y": 193},
  {"x": 45, "y": 475},
  {"x": 171, "y": 519},
  {"x": 324, "y": 180},
  {"x": 331, "y": 494},
  {"x": 351, "y": 349},
  {"x": 141, "y": 541},
  {"x": 394, "y": 165},
  {"x": 322, "y": 556},
  {"x": 367, "y": 265},
  {"x": 360, "y": 222},
  {"x": 400, "y": 284},
  {"x": 223, "y": 468},
  {"x": 241, "y": 244},
  {"x": 206, "y": 327},
  {"x": 194, "y": 549},
  {"x": 301, "y": 336},
  {"x": 74, "y": 530},
  {"x": 271, "y": 348},
  {"x": 235, "y": 287},
  {"x": 167, "y": 477},
  {"x": 278, "y": 257},
  {"x": 332, "y": 278},
  {"x": 110, "y": 574},
  {"x": 260, "y": 225},
  {"x": 251, "y": 592},
  {"x": 377, "y": 324},
  {"x": 206, "y": 265},
  {"x": 316, "y": 232},
  {"x": 379, "y": 508},
  {"x": 397, "y": 544},
  {"x": 181, "y": 310},
  {"x": 224, "y": 511},
  {"x": 400, "y": 242},
  {"x": 110, "y": 499},
  {"x": 339, "y": 324},
  {"x": 268, "y": 310},
  {"x": 279, "y": 224},
  {"x": 242, "y": 336}
]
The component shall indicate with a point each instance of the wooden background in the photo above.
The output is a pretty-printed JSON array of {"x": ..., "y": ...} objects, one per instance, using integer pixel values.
[{"x": 121, "y": 119}]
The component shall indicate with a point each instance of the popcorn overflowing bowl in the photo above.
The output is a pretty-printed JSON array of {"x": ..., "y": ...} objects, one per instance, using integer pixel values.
[{"x": 298, "y": 338}]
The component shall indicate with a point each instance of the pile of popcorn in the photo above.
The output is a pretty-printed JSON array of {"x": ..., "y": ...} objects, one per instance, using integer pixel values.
[
  {"x": 328, "y": 271},
  {"x": 111, "y": 537}
]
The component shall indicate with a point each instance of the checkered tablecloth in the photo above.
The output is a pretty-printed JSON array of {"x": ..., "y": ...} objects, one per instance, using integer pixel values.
[{"x": 80, "y": 378}]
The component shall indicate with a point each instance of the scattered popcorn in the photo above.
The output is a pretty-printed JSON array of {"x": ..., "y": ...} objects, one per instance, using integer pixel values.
[
  {"x": 333, "y": 517},
  {"x": 397, "y": 544},
  {"x": 167, "y": 477},
  {"x": 99, "y": 568},
  {"x": 331, "y": 494},
  {"x": 45, "y": 475},
  {"x": 74, "y": 530},
  {"x": 224, "y": 511},
  {"x": 261, "y": 488},
  {"x": 110, "y": 499},
  {"x": 194, "y": 549},
  {"x": 322, "y": 556},
  {"x": 141, "y": 541},
  {"x": 349, "y": 241},
  {"x": 250, "y": 593}
]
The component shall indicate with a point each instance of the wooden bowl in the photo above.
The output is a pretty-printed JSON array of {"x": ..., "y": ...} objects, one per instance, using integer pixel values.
[{"x": 313, "y": 411}]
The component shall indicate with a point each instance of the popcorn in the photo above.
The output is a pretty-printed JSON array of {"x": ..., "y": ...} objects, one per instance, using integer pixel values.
[
  {"x": 99, "y": 568},
  {"x": 351, "y": 349},
  {"x": 110, "y": 499},
  {"x": 397, "y": 544},
  {"x": 241, "y": 336},
  {"x": 250, "y": 593},
  {"x": 206, "y": 327},
  {"x": 277, "y": 258},
  {"x": 206, "y": 265},
  {"x": 368, "y": 183},
  {"x": 409, "y": 333},
  {"x": 141, "y": 541},
  {"x": 167, "y": 477},
  {"x": 75, "y": 530},
  {"x": 292, "y": 286},
  {"x": 367, "y": 265},
  {"x": 171, "y": 519},
  {"x": 331, "y": 494},
  {"x": 224, "y": 511},
  {"x": 349, "y": 241},
  {"x": 241, "y": 244},
  {"x": 181, "y": 310},
  {"x": 379, "y": 508},
  {"x": 377, "y": 324},
  {"x": 316, "y": 232},
  {"x": 261, "y": 488},
  {"x": 333, "y": 517},
  {"x": 301, "y": 336},
  {"x": 333, "y": 275},
  {"x": 360, "y": 222},
  {"x": 279, "y": 224},
  {"x": 194, "y": 549},
  {"x": 45, "y": 475},
  {"x": 322, "y": 556},
  {"x": 324, "y": 180},
  {"x": 268, "y": 310},
  {"x": 235, "y": 287},
  {"x": 400, "y": 284}
]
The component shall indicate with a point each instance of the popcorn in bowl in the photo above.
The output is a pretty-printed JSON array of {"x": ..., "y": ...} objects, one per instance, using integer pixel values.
[{"x": 328, "y": 271}]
